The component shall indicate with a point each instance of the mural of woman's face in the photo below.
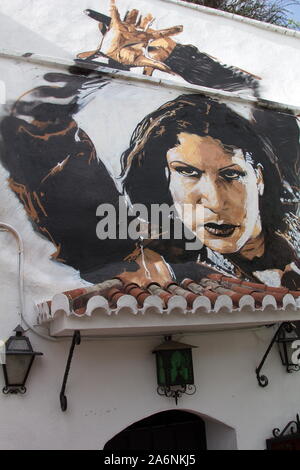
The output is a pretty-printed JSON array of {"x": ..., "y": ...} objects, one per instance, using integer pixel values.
[{"x": 221, "y": 188}]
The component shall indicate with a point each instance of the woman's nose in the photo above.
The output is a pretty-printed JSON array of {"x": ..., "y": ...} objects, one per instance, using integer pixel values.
[{"x": 209, "y": 193}]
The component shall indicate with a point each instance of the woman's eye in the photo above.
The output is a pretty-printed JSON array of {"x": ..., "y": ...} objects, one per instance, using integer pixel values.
[
  {"x": 186, "y": 171},
  {"x": 231, "y": 175}
]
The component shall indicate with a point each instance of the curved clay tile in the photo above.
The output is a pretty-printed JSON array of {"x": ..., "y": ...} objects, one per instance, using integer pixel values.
[{"x": 214, "y": 294}]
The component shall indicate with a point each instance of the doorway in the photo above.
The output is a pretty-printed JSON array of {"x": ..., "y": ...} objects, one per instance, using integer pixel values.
[{"x": 169, "y": 430}]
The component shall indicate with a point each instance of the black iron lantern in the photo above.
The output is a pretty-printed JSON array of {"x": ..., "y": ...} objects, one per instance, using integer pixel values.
[
  {"x": 19, "y": 356},
  {"x": 287, "y": 338},
  {"x": 287, "y": 347},
  {"x": 174, "y": 367}
]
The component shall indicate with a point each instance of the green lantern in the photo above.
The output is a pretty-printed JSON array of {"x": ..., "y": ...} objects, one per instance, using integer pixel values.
[{"x": 174, "y": 366}]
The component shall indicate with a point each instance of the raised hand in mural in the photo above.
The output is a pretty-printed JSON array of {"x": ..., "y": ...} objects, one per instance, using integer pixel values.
[
  {"x": 133, "y": 42},
  {"x": 151, "y": 268}
]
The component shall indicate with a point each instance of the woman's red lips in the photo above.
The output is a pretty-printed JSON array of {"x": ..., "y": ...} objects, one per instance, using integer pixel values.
[{"x": 222, "y": 230}]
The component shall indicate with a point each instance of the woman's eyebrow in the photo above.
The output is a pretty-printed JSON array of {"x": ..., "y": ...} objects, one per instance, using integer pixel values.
[
  {"x": 187, "y": 165},
  {"x": 229, "y": 166}
]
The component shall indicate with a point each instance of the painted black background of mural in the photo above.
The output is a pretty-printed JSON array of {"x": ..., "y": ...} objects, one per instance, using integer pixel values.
[{"x": 192, "y": 150}]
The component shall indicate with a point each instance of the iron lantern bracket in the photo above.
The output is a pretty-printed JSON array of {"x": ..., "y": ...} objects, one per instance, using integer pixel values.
[
  {"x": 176, "y": 391},
  {"x": 75, "y": 341},
  {"x": 287, "y": 439},
  {"x": 292, "y": 428},
  {"x": 262, "y": 379}
]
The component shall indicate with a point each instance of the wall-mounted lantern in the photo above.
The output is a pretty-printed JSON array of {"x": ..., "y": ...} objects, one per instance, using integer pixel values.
[
  {"x": 288, "y": 344},
  {"x": 174, "y": 367},
  {"x": 287, "y": 338},
  {"x": 19, "y": 356}
]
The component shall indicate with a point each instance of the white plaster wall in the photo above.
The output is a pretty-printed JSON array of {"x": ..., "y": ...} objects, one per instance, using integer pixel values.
[
  {"x": 219, "y": 436},
  {"x": 61, "y": 29},
  {"x": 112, "y": 384}
]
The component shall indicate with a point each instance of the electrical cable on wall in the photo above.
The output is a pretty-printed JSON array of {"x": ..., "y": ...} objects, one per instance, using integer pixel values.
[{"x": 9, "y": 228}]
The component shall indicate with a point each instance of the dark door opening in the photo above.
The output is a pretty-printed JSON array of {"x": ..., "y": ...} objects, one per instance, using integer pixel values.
[{"x": 169, "y": 430}]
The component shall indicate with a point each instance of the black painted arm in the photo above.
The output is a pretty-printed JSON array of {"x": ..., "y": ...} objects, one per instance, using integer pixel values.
[{"x": 200, "y": 69}]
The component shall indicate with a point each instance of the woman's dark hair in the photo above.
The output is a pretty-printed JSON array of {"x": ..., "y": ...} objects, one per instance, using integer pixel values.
[{"x": 144, "y": 163}]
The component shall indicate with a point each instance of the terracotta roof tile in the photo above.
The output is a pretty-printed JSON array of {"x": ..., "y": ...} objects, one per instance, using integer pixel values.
[
  {"x": 128, "y": 287},
  {"x": 210, "y": 294},
  {"x": 193, "y": 286},
  {"x": 80, "y": 311},
  {"x": 177, "y": 290},
  {"x": 134, "y": 290},
  {"x": 295, "y": 293},
  {"x": 156, "y": 289},
  {"x": 220, "y": 290},
  {"x": 114, "y": 295},
  {"x": 72, "y": 294},
  {"x": 281, "y": 290}
]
